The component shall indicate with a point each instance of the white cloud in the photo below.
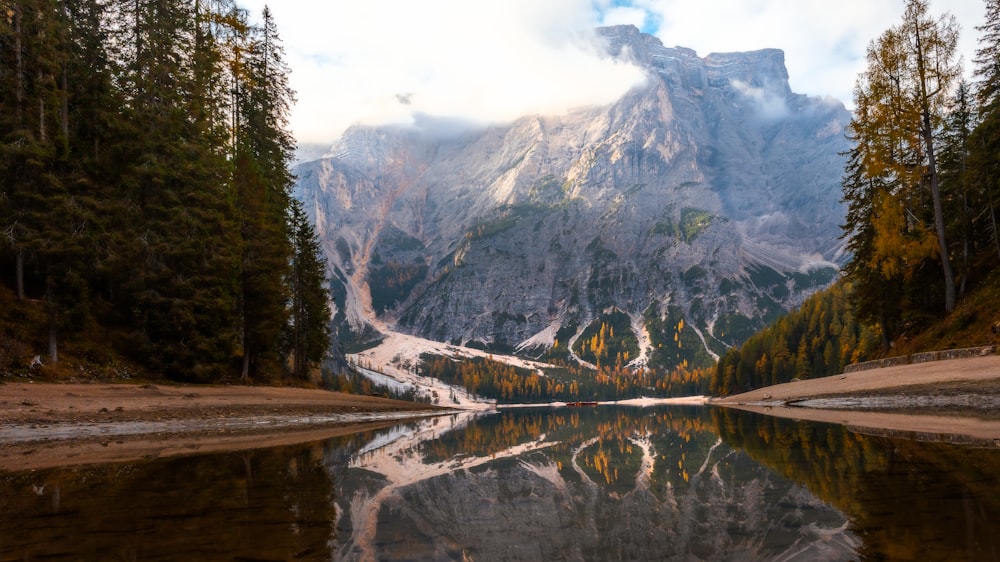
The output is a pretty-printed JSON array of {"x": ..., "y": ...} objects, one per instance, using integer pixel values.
[
  {"x": 478, "y": 61},
  {"x": 769, "y": 103},
  {"x": 824, "y": 43},
  {"x": 494, "y": 60}
]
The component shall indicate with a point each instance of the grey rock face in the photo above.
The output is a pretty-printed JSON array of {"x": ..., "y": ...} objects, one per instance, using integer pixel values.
[{"x": 713, "y": 188}]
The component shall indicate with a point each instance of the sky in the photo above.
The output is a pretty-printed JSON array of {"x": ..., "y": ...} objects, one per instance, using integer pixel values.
[{"x": 490, "y": 61}]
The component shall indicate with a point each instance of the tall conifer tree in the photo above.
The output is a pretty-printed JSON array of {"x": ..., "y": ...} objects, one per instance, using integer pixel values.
[
  {"x": 262, "y": 181},
  {"x": 901, "y": 102},
  {"x": 984, "y": 144},
  {"x": 182, "y": 248},
  {"x": 309, "y": 330}
]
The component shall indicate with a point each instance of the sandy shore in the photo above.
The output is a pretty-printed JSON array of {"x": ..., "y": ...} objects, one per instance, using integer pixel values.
[
  {"x": 43, "y": 424},
  {"x": 955, "y": 400}
]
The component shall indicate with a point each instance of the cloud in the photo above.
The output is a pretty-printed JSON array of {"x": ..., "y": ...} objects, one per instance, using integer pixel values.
[
  {"x": 627, "y": 15},
  {"x": 769, "y": 104},
  {"x": 824, "y": 44},
  {"x": 487, "y": 61},
  {"x": 481, "y": 62}
]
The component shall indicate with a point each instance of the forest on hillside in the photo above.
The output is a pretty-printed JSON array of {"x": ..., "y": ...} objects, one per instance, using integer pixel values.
[
  {"x": 921, "y": 181},
  {"x": 922, "y": 186},
  {"x": 146, "y": 209},
  {"x": 145, "y": 204}
]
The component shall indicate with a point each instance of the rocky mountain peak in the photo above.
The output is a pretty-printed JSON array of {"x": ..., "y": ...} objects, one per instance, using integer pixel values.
[{"x": 710, "y": 194}]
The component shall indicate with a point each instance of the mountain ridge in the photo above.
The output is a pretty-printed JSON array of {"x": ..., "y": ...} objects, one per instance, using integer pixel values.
[{"x": 710, "y": 194}]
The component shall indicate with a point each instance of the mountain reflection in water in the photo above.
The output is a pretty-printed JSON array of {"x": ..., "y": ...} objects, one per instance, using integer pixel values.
[{"x": 600, "y": 483}]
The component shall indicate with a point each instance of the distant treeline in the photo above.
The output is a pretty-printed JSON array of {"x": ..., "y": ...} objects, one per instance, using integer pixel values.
[
  {"x": 146, "y": 192},
  {"x": 505, "y": 383}
]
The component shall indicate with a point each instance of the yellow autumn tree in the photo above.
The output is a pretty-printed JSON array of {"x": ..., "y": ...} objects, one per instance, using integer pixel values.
[{"x": 902, "y": 100}]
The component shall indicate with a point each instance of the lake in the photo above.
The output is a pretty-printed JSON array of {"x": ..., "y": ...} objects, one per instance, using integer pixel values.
[{"x": 589, "y": 483}]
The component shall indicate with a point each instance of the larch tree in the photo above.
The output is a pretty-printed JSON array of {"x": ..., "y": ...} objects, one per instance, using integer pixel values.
[
  {"x": 903, "y": 96},
  {"x": 874, "y": 300}
]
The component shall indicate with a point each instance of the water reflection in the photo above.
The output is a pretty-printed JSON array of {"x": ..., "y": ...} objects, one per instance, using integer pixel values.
[
  {"x": 261, "y": 505},
  {"x": 569, "y": 484},
  {"x": 906, "y": 499},
  {"x": 583, "y": 484}
]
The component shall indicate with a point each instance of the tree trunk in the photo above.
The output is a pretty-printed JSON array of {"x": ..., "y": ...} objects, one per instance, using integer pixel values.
[
  {"x": 996, "y": 229},
  {"x": 20, "y": 274},
  {"x": 19, "y": 68},
  {"x": 966, "y": 243},
  {"x": 949, "y": 276},
  {"x": 927, "y": 132},
  {"x": 64, "y": 109},
  {"x": 50, "y": 305},
  {"x": 42, "y": 137},
  {"x": 245, "y": 375},
  {"x": 53, "y": 342}
]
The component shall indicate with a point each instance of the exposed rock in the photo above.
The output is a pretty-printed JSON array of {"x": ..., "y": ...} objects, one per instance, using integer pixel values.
[{"x": 713, "y": 189}]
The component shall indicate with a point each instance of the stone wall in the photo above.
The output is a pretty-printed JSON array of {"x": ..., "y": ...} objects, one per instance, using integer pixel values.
[{"x": 922, "y": 358}]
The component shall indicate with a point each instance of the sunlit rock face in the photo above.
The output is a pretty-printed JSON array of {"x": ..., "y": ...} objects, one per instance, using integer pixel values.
[{"x": 712, "y": 188}]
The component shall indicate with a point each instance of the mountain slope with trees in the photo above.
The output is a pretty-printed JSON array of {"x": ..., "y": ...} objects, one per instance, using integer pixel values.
[
  {"x": 922, "y": 188},
  {"x": 922, "y": 213},
  {"x": 146, "y": 208}
]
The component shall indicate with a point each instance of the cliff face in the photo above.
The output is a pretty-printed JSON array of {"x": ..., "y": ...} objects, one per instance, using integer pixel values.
[{"x": 711, "y": 193}]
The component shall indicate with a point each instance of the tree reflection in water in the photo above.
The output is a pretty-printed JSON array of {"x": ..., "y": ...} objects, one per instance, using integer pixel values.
[
  {"x": 538, "y": 484},
  {"x": 255, "y": 505},
  {"x": 907, "y": 500},
  {"x": 583, "y": 484}
]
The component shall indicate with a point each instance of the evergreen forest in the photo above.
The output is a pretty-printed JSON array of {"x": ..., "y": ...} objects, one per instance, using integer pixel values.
[
  {"x": 146, "y": 217},
  {"x": 147, "y": 223}
]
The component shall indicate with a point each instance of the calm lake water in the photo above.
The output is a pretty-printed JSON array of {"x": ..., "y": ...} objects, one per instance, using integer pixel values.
[{"x": 606, "y": 483}]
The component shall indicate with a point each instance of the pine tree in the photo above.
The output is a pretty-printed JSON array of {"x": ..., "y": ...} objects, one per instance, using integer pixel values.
[
  {"x": 45, "y": 210},
  {"x": 130, "y": 133},
  {"x": 181, "y": 246},
  {"x": 263, "y": 154},
  {"x": 308, "y": 334},
  {"x": 984, "y": 143},
  {"x": 30, "y": 62},
  {"x": 959, "y": 198}
]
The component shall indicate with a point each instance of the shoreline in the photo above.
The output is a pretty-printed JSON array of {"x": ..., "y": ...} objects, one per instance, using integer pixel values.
[
  {"x": 921, "y": 379},
  {"x": 949, "y": 400},
  {"x": 46, "y": 425}
]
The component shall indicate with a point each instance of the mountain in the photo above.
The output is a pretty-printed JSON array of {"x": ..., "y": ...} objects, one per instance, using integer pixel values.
[{"x": 697, "y": 207}]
